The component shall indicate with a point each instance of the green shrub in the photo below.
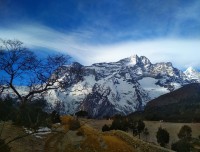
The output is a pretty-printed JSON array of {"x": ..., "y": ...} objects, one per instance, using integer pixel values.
[
  {"x": 81, "y": 113},
  {"x": 119, "y": 123},
  {"x": 74, "y": 124},
  {"x": 185, "y": 133},
  {"x": 105, "y": 128},
  {"x": 80, "y": 133},
  {"x": 31, "y": 115},
  {"x": 55, "y": 117},
  {"x": 7, "y": 109},
  {"x": 162, "y": 136},
  {"x": 181, "y": 146}
]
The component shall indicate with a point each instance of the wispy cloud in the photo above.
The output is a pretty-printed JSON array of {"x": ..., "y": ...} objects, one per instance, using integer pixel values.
[{"x": 181, "y": 52}]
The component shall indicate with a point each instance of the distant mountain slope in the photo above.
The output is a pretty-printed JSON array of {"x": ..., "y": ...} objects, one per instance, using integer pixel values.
[
  {"x": 187, "y": 92},
  {"x": 182, "y": 105}
]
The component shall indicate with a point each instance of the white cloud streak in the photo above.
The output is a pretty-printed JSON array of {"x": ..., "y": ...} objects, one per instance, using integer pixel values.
[{"x": 181, "y": 52}]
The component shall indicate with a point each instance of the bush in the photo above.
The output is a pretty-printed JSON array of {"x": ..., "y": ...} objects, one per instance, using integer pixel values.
[
  {"x": 55, "y": 117},
  {"x": 81, "y": 113},
  {"x": 4, "y": 147},
  {"x": 119, "y": 123},
  {"x": 80, "y": 132},
  {"x": 74, "y": 124},
  {"x": 162, "y": 137},
  {"x": 7, "y": 109},
  {"x": 31, "y": 115},
  {"x": 105, "y": 128},
  {"x": 181, "y": 146},
  {"x": 185, "y": 133}
]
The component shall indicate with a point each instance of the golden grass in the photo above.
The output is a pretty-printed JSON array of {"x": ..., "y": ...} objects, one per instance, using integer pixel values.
[
  {"x": 66, "y": 119},
  {"x": 88, "y": 139},
  {"x": 115, "y": 144}
]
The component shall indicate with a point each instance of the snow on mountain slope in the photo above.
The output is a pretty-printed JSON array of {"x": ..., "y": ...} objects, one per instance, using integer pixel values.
[
  {"x": 153, "y": 90},
  {"x": 106, "y": 89},
  {"x": 192, "y": 74},
  {"x": 115, "y": 88}
]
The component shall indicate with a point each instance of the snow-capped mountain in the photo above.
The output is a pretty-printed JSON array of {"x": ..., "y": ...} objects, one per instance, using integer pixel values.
[
  {"x": 192, "y": 74},
  {"x": 116, "y": 88}
]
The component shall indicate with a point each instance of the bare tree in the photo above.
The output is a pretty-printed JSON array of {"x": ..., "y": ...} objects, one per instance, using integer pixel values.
[{"x": 17, "y": 63}]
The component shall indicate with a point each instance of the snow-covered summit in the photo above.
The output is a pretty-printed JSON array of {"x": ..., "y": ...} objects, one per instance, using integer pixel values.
[
  {"x": 117, "y": 87},
  {"x": 133, "y": 60},
  {"x": 192, "y": 74}
]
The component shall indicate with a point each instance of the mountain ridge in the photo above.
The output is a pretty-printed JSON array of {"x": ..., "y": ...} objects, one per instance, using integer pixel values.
[
  {"x": 122, "y": 87},
  {"x": 116, "y": 87}
]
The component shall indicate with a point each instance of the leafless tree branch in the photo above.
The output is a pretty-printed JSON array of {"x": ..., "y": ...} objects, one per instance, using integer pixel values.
[{"x": 17, "y": 62}]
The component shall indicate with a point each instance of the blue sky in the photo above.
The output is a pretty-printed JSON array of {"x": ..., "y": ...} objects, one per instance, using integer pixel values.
[{"x": 107, "y": 30}]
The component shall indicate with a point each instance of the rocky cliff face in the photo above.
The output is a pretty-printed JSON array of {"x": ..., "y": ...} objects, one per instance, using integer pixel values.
[{"x": 116, "y": 88}]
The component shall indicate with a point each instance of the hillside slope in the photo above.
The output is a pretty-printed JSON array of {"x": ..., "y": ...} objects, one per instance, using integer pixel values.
[
  {"x": 188, "y": 92},
  {"x": 182, "y": 105}
]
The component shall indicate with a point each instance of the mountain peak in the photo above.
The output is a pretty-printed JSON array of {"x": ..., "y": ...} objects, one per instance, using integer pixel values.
[
  {"x": 145, "y": 60},
  {"x": 133, "y": 59},
  {"x": 192, "y": 74},
  {"x": 190, "y": 69}
]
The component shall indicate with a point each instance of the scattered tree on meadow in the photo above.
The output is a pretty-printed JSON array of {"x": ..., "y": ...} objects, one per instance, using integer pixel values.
[
  {"x": 185, "y": 133},
  {"x": 162, "y": 137},
  {"x": 105, "y": 128},
  {"x": 181, "y": 146},
  {"x": 119, "y": 123},
  {"x": 17, "y": 63},
  {"x": 146, "y": 133},
  {"x": 137, "y": 127},
  {"x": 140, "y": 127}
]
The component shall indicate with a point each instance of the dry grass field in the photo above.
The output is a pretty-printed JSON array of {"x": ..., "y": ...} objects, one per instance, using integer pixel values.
[
  {"x": 89, "y": 138},
  {"x": 172, "y": 128}
]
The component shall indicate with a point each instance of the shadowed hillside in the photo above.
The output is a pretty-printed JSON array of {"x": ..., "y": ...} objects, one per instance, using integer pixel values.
[{"x": 182, "y": 105}]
